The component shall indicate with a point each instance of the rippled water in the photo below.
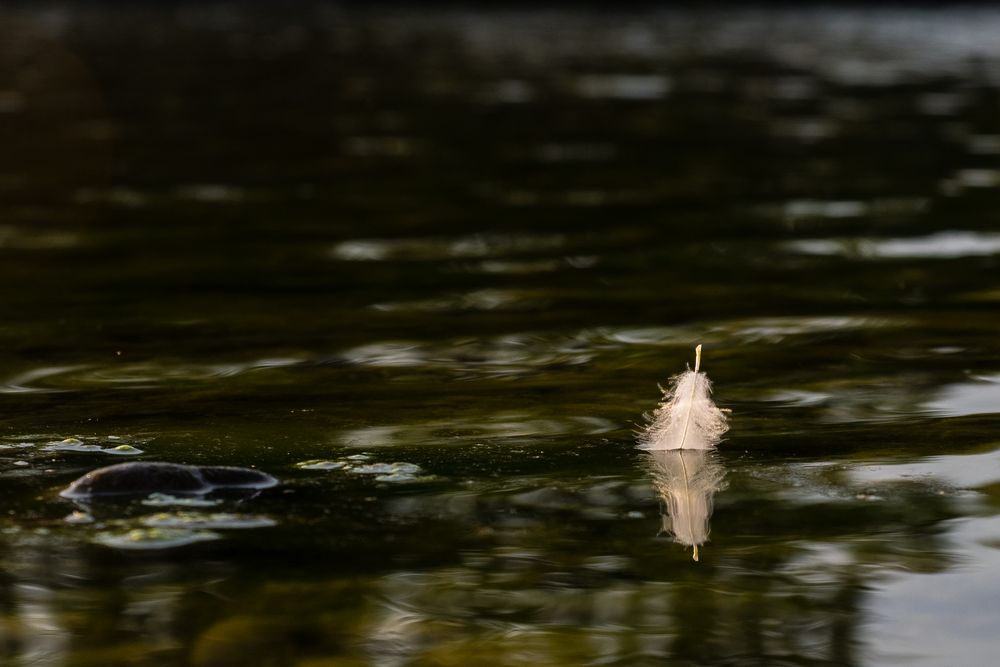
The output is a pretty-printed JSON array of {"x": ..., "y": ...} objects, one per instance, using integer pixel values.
[{"x": 428, "y": 267}]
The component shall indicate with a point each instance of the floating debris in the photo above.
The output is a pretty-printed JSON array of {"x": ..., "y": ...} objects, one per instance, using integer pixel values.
[
  {"x": 78, "y": 518},
  {"x": 123, "y": 450},
  {"x": 321, "y": 464},
  {"x": 153, "y": 538},
  {"x": 198, "y": 520},
  {"x": 378, "y": 468},
  {"x": 383, "y": 472},
  {"x": 71, "y": 445},
  {"x": 167, "y": 500},
  {"x": 77, "y": 445},
  {"x": 16, "y": 445},
  {"x": 398, "y": 477},
  {"x": 390, "y": 468},
  {"x": 397, "y": 472}
]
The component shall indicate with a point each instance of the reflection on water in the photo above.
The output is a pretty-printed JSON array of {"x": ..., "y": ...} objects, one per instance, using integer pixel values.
[
  {"x": 687, "y": 480},
  {"x": 510, "y": 577},
  {"x": 942, "y": 245},
  {"x": 511, "y": 427},
  {"x": 440, "y": 249},
  {"x": 132, "y": 375}
]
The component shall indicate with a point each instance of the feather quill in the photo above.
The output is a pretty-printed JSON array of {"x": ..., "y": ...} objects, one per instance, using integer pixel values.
[{"x": 686, "y": 418}]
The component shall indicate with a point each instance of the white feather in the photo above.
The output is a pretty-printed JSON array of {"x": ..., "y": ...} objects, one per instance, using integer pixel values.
[{"x": 686, "y": 418}]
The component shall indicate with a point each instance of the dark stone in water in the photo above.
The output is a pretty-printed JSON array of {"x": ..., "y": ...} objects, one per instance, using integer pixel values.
[{"x": 140, "y": 478}]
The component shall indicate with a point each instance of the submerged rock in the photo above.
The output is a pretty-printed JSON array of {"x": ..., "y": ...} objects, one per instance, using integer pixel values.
[{"x": 143, "y": 478}]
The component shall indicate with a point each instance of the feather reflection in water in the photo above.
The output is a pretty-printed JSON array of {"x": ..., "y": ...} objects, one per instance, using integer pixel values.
[
  {"x": 687, "y": 480},
  {"x": 680, "y": 443}
]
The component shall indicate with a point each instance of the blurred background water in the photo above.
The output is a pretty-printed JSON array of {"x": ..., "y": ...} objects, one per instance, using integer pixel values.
[{"x": 428, "y": 264}]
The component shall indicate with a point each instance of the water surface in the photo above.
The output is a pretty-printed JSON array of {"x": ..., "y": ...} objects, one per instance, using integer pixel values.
[{"x": 428, "y": 267}]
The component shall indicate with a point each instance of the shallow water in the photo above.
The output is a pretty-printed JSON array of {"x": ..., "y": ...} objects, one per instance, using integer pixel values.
[{"x": 428, "y": 267}]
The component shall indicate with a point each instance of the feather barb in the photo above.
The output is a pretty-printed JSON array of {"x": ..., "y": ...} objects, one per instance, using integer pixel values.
[{"x": 686, "y": 418}]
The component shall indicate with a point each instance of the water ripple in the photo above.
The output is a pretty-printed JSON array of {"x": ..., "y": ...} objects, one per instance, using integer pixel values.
[
  {"x": 27, "y": 382},
  {"x": 526, "y": 267},
  {"x": 744, "y": 331},
  {"x": 517, "y": 355},
  {"x": 984, "y": 144},
  {"x": 511, "y": 355},
  {"x": 978, "y": 397},
  {"x": 966, "y": 471},
  {"x": 776, "y": 329},
  {"x": 942, "y": 245},
  {"x": 429, "y": 249},
  {"x": 507, "y": 356},
  {"x": 459, "y": 430},
  {"x": 212, "y": 193},
  {"x": 54, "y": 379},
  {"x": 484, "y": 299},
  {"x": 17, "y": 238},
  {"x": 890, "y": 398},
  {"x": 623, "y": 86}
]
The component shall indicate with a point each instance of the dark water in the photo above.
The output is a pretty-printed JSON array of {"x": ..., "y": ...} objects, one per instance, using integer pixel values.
[{"x": 463, "y": 248}]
